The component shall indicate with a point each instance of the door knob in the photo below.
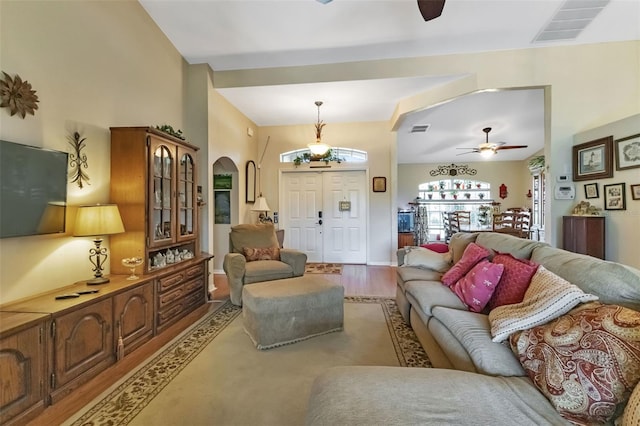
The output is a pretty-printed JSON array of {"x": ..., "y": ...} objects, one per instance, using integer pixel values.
[{"x": 320, "y": 222}]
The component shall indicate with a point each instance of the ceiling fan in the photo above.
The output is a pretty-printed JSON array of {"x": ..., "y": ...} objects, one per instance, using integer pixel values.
[
  {"x": 429, "y": 9},
  {"x": 488, "y": 149}
]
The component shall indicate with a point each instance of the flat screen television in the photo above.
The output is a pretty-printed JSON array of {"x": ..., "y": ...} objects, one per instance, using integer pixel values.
[{"x": 33, "y": 190}]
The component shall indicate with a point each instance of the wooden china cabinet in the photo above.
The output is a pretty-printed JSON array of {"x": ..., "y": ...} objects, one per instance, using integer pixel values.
[{"x": 153, "y": 183}]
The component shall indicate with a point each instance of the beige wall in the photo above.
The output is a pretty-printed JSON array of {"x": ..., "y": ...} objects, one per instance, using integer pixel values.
[
  {"x": 622, "y": 227},
  {"x": 228, "y": 139},
  {"x": 93, "y": 65}
]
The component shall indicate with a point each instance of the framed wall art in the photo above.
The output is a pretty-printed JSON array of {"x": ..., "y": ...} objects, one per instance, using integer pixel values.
[
  {"x": 628, "y": 152},
  {"x": 635, "y": 192},
  {"x": 593, "y": 160},
  {"x": 222, "y": 181},
  {"x": 591, "y": 190},
  {"x": 614, "y": 197},
  {"x": 379, "y": 184}
]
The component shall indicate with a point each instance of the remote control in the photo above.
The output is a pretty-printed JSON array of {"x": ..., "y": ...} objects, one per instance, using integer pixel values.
[
  {"x": 87, "y": 291},
  {"x": 68, "y": 296}
]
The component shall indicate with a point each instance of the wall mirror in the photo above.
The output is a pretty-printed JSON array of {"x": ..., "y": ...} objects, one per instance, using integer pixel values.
[{"x": 250, "y": 182}]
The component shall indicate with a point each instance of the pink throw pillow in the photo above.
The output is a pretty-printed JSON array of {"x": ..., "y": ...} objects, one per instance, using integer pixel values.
[
  {"x": 437, "y": 247},
  {"x": 477, "y": 286},
  {"x": 515, "y": 280},
  {"x": 472, "y": 255}
]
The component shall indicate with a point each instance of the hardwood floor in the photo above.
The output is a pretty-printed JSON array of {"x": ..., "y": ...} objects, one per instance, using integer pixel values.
[{"x": 358, "y": 280}]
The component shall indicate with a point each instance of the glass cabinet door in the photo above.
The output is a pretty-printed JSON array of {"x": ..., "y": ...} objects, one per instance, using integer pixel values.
[
  {"x": 186, "y": 196},
  {"x": 161, "y": 223}
]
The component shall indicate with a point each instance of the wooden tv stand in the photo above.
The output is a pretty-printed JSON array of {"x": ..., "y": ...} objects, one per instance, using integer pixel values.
[{"x": 50, "y": 348}]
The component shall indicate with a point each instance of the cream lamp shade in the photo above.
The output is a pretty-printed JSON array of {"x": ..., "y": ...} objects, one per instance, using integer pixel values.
[
  {"x": 100, "y": 219},
  {"x": 261, "y": 205}
]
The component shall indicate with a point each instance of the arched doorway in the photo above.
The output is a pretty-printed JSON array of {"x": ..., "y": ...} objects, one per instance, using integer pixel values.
[{"x": 224, "y": 210}]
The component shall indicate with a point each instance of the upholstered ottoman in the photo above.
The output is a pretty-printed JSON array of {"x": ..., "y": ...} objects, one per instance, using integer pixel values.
[{"x": 285, "y": 311}]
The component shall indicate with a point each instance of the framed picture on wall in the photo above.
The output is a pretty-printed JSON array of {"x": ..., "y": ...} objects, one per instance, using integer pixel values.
[
  {"x": 591, "y": 190},
  {"x": 614, "y": 197},
  {"x": 379, "y": 184},
  {"x": 635, "y": 192},
  {"x": 628, "y": 152},
  {"x": 593, "y": 160}
]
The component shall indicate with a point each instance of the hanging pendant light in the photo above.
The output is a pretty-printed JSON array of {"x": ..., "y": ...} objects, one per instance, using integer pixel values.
[{"x": 319, "y": 149}]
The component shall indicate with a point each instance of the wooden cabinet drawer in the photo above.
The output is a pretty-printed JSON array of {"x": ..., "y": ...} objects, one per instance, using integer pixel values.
[
  {"x": 167, "y": 299},
  {"x": 193, "y": 285},
  {"x": 172, "y": 313},
  {"x": 194, "y": 271},
  {"x": 194, "y": 298},
  {"x": 166, "y": 283}
]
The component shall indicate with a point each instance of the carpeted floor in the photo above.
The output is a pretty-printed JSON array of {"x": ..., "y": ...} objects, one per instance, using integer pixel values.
[
  {"x": 323, "y": 268},
  {"x": 212, "y": 374}
]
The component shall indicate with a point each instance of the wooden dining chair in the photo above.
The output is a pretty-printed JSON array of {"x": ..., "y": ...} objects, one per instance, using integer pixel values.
[{"x": 514, "y": 223}]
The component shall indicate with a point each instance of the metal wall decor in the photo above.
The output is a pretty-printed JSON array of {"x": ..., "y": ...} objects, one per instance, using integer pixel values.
[
  {"x": 453, "y": 170},
  {"x": 78, "y": 160},
  {"x": 17, "y": 95}
]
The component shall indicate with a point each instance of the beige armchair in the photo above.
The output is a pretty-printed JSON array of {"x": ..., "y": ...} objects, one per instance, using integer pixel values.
[{"x": 243, "y": 240}]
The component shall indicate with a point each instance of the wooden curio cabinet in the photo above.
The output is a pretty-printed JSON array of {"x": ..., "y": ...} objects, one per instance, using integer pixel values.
[{"x": 153, "y": 183}]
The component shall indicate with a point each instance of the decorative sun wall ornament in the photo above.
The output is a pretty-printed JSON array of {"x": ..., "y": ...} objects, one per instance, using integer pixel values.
[
  {"x": 78, "y": 160},
  {"x": 17, "y": 95},
  {"x": 453, "y": 170}
]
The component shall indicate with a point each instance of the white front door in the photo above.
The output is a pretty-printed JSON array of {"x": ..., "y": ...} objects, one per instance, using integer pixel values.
[
  {"x": 300, "y": 207},
  {"x": 313, "y": 220},
  {"x": 345, "y": 225}
]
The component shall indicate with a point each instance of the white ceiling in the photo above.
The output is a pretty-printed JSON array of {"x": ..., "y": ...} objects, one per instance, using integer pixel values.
[{"x": 253, "y": 34}]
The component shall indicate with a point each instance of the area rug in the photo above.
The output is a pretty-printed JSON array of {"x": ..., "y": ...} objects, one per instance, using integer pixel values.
[
  {"x": 323, "y": 268},
  {"x": 212, "y": 374}
]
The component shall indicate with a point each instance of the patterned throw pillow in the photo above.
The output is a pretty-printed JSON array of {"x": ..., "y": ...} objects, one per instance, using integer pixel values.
[
  {"x": 515, "y": 280},
  {"x": 261, "y": 253},
  {"x": 586, "y": 362},
  {"x": 631, "y": 416},
  {"x": 547, "y": 297},
  {"x": 477, "y": 286},
  {"x": 472, "y": 255}
]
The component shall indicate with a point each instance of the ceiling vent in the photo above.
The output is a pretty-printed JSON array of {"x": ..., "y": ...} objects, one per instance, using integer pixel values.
[
  {"x": 420, "y": 128},
  {"x": 570, "y": 19}
]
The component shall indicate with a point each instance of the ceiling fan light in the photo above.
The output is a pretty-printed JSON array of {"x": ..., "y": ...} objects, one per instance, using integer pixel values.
[{"x": 487, "y": 153}]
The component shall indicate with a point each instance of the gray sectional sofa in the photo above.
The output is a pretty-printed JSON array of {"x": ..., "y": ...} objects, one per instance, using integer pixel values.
[{"x": 476, "y": 381}]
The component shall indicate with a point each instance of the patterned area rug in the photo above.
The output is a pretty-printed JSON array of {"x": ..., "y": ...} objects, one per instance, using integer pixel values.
[
  {"x": 128, "y": 399},
  {"x": 323, "y": 268}
]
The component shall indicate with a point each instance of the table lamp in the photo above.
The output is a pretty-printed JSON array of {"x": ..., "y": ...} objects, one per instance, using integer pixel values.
[
  {"x": 96, "y": 221},
  {"x": 261, "y": 206}
]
